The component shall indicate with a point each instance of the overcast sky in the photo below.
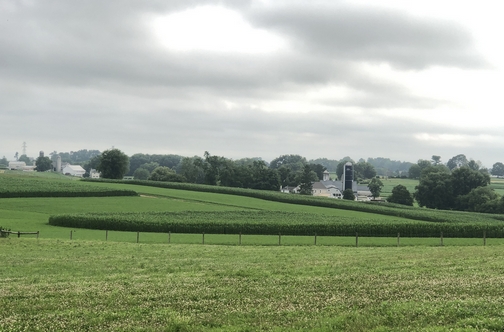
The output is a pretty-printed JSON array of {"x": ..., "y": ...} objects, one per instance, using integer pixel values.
[{"x": 400, "y": 79}]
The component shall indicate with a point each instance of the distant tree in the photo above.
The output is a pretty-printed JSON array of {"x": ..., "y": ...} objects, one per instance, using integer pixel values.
[
  {"x": 497, "y": 169},
  {"x": 161, "y": 173},
  {"x": 401, "y": 195},
  {"x": 43, "y": 164},
  {"x": 16, "y": 156},
  {"x": 329, "y": 164},
  {"x": 465, "y": 179},
  {"x": 25, "y": 158},
  {"x": 436, "y": 160},
  {"x": 457, "y": 161},
  {"x": 435, "y": 188},
  {"x": 190, "y": 168},
  {"x": 292, "y": 161},
  {"x": 364, "y": 170},
  {"x": 150, "y": 166},
  {"x": 375, "y": 186},
  {"x": 348, "y": 194},
  {"x": 141, "y": 174},
  {"x": 4, "y": 162},
  {"x": 259, "y": 176},
  {"x": 481, "y": 199},
  {"x": 137, "y": 160},
  {"x": 91, "y": 164},
  {"x": 306, "y": 179},
  {"x": 319, "y": 170},
  {"x": 114, "y": 164},
  {"x": 414, "y": 171},
  {"x": 474, "y": 165}
]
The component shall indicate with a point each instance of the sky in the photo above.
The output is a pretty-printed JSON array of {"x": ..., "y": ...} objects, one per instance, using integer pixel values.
[{"x": 397, "y": 79}]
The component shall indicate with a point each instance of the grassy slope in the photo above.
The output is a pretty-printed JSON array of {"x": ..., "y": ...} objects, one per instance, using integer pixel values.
[{"x": 54, "y": 285}]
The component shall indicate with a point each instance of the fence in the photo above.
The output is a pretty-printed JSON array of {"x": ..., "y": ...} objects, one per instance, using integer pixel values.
[{"x": 3, "y": 231}]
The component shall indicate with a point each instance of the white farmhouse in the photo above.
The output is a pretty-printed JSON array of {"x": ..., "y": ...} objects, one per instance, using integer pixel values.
[
  {"x": 73, "y": 170},
  {"x": 16, "y": 165}
]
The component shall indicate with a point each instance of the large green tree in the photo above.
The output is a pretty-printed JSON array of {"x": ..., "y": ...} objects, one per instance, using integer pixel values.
[
  {"x": 163, "y": 173},
  {"x": 25, "y": 158},
  {"x": 4, "y": 162},
  {"x": 435, "y": 188},
  {"x": 114, "y": 164},
  {"x": 401, "y": 195},
  {"x": 457, "y": 161},
  {"x": 466, "y": 179},
  {"x": 43, "y": 164}
]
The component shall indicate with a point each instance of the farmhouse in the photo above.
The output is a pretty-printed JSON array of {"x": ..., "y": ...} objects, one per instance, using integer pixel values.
[
  {"x": 73, "y": 170},
  {"x": 16, "y": 165}
]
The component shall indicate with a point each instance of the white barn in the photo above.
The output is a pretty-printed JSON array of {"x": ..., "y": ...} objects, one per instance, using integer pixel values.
[{"x": 73, "y": 170}]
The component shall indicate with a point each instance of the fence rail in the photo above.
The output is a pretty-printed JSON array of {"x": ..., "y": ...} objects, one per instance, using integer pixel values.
[{"x": 19, "y": 233}]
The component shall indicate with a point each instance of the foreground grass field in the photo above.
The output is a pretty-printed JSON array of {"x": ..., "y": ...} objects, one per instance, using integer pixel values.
[{"x": 55, "y": 285}]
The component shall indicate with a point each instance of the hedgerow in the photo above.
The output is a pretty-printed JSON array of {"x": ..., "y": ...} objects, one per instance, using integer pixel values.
[
  {"x": 270, "y": 223},
  {"x": 19, "y": 186},
  {"x": 371, "y": 207}
]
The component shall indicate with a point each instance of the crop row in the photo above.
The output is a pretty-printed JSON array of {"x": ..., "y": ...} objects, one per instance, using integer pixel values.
[
  {"x": 270, "y": 223},
  {"x": 370, "y": 207},
  {"x": 19, "y": 186}
]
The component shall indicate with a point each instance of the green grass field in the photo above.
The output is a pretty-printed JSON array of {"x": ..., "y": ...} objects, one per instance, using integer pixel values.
[{"x": 55, "y": 285}]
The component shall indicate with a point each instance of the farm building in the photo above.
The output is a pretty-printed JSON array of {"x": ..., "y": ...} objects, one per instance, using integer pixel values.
[
  {"x": 73, "y": 170},
  {"x": 94, "y": 174},
  {"x": 16, "y": 165}
]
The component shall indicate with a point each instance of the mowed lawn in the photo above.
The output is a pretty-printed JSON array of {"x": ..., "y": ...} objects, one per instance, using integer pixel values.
[{"x": 62, "y": 285}]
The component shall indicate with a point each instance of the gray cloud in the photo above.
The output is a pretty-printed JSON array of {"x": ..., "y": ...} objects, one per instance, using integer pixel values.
[{"x": 87, "y": 75}]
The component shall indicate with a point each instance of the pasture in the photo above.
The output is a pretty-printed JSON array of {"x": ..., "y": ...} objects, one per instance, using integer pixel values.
[{"x": 55, "y": 285}]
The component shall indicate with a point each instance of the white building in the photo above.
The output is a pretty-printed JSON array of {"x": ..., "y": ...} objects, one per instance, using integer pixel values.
[
  {"x": 94, "y": 174},
  {"x": 17, "y": 165},
  {"x": 73, "y": 170}
]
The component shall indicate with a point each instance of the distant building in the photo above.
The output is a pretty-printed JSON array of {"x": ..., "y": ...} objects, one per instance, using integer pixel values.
[
  {"x": 73, "y": 170},
  {"x": 17, "y": 165},
  {"x": 94, "y": 174}
]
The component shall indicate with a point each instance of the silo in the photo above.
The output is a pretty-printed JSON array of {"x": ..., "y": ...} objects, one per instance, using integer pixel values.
[
  {"x": 41, "y": 154},
  {"x": 58, "y": 164},
  {"x": 348, "y": 175}
]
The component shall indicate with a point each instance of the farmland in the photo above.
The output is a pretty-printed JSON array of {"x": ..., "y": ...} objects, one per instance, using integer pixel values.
[{"x": 104, "y": 281}]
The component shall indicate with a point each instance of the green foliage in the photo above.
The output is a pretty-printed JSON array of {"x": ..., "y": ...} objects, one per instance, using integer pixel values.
[
  {"x": 375, "y": 186},
  {"x": 401, "y": 195},
  {"x": 43, "y": 164},
  {"x": 141, "y": 174},
  {"x": 348, "y": 194},
  {"x": 498, "y": 169},
  {"x": 457, "y": 161},
  {"x": 114, "y": 164},
  {"x": 25, "y": 158},
  {"x": 435, "y": 189},
  {"x": 466, "y": 179},
  {"x": 306, "y": 179},
  {"x": 20, "y": 186},
  {"x": 293, "y": 162}
]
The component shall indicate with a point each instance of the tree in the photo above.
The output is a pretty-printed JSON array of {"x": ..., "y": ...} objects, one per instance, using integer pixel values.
[
  {"x": 414, "y": 171},
  {"x": 497, "y": 169},
  {"x": 43, "y": 164},
  {"x": 292, "y": 161},
  {"x": 4, "y": 162},
  {"x": 306, "y": 186},
  {"x": 465, "y": 179},
  {"x": 348, "y": 194},
  {"x": 91, "y": 164},
  {"x": 436, "y": 160},
  {"x": 163, "y": 173},
  {"x": 401, "y": 195},
  {"x": 435, "y": 188},
  {"x": 474, "y": 165},
  {"x": 141, "y": 174},
  {"x": 319, "y": 170},
  {"x": 457, "y": 161},
  {"x": 481, "y": 199},
  {"x": 25, "y": 158},
  {"x": 375, "y": 186},
  {"x": 190, "y": 169},
  {"x": 341, "y": 166},
  {"x": 114, "y": 164}
]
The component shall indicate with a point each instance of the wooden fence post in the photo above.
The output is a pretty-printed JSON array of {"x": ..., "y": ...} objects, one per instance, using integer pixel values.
[
  {"x": 484, "y": 238},
  {"x": 203, "y": 239},
  {"x": 279, "y": 239},
  {"x": 315, "y": 242},
  {"x": 169, "y": 237},
  {"x": 398, "y": 239},
  {"x": 106, "y": 235},
  {"x": 19, "y": 234},
  {"x": 38, "y": 234},
  {"x": 71, "y": 235},
  {"x": 356, "y": 239},
  {"x": 442, "y": 239},
  {"x": 239, "y": 239},
  {"x": 138, "y": 237}
]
